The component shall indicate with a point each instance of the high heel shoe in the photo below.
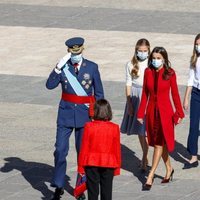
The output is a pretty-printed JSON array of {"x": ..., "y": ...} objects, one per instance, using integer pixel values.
[
  {"x": 147, "y": 187},
  {"x": 166, "y": 180}
]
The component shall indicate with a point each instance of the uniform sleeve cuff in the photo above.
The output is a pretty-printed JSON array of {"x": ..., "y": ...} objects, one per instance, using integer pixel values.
[{"x": 57, "y": 71}]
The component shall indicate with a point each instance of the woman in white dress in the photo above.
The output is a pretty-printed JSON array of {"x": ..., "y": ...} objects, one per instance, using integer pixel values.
[{"x": 134, "y": 81}]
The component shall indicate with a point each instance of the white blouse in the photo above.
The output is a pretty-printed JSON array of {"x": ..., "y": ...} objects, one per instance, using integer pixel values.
[
  {"x": 194, "y": 75},
  {"x": 135, "y": 80}
]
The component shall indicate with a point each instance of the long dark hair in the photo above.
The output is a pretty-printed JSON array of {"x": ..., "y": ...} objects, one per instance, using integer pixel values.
[
  {"x": 134, "y": 60},
  {"x": 102, "y": 110},
  {"x": 195, "y": 54},
  {"x": 167, "y": 65}
]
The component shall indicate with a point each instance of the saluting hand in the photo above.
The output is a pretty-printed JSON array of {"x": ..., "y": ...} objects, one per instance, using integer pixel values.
[{"x": 63, "y": 61}]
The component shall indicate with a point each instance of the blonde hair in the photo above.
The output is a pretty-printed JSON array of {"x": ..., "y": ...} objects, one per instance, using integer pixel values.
[
  {"x": 134, "y": 60},
  {"x": 194, "y": 56}
]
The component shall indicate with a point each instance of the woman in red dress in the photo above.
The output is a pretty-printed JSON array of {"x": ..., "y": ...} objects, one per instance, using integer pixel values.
[{"x": 159, "y": 80}]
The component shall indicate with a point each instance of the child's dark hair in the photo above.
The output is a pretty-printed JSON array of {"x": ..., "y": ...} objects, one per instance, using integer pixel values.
[{"x": 102, "y": 110}]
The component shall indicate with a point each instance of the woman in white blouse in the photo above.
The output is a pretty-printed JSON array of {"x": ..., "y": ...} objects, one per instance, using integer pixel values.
[
  {"x": 134, "y": 81},
  {"x": 193, "y": 88}
]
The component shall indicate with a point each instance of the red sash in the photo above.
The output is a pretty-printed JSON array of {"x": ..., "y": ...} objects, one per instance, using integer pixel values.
[{"x": 73, "y": 98}]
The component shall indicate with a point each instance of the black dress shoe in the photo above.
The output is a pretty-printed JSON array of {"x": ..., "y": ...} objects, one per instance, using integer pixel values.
[
  {"x": 191, "y": 165},
  {"x": 57, "y": 194}
]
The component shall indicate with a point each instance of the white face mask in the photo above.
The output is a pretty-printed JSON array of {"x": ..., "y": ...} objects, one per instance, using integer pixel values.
[
  {"x": 76, "y": 58},
  {"x": 142, "y": 55},
  {"x": 197, "y": 46},
  {"x": 157, "y": 63}
]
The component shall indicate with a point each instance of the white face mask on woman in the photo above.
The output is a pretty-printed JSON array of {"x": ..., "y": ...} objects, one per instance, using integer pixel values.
[
  {"x": 197, "y": 46},
  {"x": 157, "y": 63},
  {"x": 142, "y": 55}
]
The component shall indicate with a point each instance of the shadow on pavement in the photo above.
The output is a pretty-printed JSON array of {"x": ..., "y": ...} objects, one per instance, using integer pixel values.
[
  {"x": 131, "y": 163},
  {"x": 37, "y": 174},
  {"x": 180, "y": 153}
]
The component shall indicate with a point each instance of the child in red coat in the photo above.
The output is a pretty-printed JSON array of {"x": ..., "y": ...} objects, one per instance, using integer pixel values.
[{"x": 100, "y": 154}]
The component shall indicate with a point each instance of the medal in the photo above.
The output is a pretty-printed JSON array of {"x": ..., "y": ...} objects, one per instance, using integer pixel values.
[
  {"x": 86, "y": 76},
  {"x": 87, "y": 86},
  {"x": 83, "y": 82}
]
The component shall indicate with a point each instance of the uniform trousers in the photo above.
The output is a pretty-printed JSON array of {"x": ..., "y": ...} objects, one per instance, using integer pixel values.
[
  {"x": 192, "y": 143},
  {"x": 99, "y": 176},
  {"x": 61, "y": 152}
]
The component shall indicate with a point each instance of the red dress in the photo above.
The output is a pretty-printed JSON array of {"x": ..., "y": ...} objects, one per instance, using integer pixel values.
[
  {"x": 100, "y": 146},
  {"x": 157, "y": 134},
  {"x": 156, "y": 103}
]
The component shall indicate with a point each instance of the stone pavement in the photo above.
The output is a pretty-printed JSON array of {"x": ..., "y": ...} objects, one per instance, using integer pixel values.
[{"x": 32, "y": 35}]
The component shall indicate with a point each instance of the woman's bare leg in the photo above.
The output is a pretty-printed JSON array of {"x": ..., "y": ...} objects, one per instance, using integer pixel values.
[
  {"x": 145, "y": 147},
  {"x": 157, "y": 154},
  {"x": 166, "y": 159}
]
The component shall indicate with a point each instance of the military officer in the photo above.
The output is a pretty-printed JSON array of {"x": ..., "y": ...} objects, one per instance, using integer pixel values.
[{"x": 81, "y": 85}]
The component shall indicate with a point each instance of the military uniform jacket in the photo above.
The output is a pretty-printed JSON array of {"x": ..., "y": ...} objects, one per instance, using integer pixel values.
[{"x": 71, "y": 114}]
